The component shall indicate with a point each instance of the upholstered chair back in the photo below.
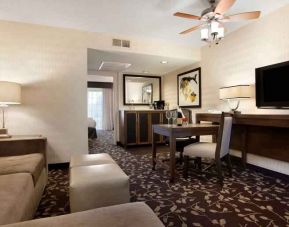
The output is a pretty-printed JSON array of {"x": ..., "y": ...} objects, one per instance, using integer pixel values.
[{"x": 224, "y": 136}]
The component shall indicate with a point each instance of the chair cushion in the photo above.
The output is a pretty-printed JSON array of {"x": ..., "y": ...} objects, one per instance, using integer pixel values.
[
  {"x": 90, "y": 159},
  {"x": 16, "y": 193},
  {"x": 202, "y": 150},
  {"x": 124, "y": 215},
  {"x": 30, "y": 163}
]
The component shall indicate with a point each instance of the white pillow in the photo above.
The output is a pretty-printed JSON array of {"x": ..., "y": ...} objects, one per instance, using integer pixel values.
[{"x": 91, "y": 123}]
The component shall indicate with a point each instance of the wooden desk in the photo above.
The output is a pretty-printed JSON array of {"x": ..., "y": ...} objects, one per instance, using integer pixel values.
[
  {"x": 262, "y": 135},
  {"x": 21, "y": 145},
  {"x": 173, "y": 132}
]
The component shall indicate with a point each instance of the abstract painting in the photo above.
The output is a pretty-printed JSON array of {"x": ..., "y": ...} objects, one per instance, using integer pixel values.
[{"x": 189, "y": 89}]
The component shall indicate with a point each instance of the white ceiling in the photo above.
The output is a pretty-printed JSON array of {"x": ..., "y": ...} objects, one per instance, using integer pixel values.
[
  {"x": 143, "y": 18},
  {"x": 140, "y": 62}
]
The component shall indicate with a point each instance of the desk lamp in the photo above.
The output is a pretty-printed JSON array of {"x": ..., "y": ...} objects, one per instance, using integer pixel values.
[
  {"x": 235, "y": 94},
  {"x": 10, "y": 94}
]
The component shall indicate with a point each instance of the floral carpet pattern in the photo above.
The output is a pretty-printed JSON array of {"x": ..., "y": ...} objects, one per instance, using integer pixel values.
[{"x": 249, "y": 198}]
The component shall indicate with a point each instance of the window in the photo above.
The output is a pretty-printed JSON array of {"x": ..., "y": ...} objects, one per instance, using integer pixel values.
[{"x": 95, "y": 105}]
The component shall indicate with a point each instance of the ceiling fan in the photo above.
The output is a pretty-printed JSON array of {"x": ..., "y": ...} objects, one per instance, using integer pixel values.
[{"x": 213, "y": 19}]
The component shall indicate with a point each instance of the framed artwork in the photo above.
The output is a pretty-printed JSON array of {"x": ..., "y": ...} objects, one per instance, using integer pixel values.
[{"x": 189, "y": 89}]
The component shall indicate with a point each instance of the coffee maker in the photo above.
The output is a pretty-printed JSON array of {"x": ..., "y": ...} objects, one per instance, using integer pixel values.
[{"x": 159, "y": 105}]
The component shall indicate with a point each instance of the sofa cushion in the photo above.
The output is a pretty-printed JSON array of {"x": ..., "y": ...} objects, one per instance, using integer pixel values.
[
  {"x": 124, "y": 215},
  {"x": 30, "y": 163},
  {"x": 16, "y": 193}
]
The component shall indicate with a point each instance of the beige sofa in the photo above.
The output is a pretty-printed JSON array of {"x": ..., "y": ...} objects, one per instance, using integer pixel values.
[
  {"x": 123, "y": 215},
  {"x": 22, "y": 182}
]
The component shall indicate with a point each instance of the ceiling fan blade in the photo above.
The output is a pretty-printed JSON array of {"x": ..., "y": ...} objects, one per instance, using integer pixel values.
[
  {"x": 244, "y": 16},
  {"x": 223, "y": 6},
  {"x": 188, "y": 16},
  {"x": 191, "y": 29}
]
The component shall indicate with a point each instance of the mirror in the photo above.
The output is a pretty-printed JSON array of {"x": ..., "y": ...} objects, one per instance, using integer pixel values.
[{"x": 141, "y": 90}]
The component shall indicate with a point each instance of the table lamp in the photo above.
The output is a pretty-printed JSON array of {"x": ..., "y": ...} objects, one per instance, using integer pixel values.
[
  {"x": 235, "y": 93},
  {"x": 10, "y": 94}
]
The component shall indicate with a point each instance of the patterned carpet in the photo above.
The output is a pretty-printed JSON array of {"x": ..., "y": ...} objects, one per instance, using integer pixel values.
[{"x": 249, "y": 198}]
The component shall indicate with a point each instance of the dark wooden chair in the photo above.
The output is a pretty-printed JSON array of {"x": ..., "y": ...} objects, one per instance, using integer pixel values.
[{"x": 215, "y": 151}]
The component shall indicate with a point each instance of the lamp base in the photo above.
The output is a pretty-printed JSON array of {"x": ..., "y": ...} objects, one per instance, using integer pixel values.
[
  {"x": 235, "y": 112},
  {"x": 4, "y": 133}
]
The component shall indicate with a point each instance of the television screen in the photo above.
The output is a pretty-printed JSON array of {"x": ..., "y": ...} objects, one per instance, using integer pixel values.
[{"x": 272, "y": 86}]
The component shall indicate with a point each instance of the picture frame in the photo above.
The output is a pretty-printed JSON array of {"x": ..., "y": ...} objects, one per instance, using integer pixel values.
[{"x": 189, "y": 89}]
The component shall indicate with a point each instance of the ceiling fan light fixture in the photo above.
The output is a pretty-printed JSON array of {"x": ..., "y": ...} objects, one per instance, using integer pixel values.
[
  {"x": 214, "y": 27},
  {"x": 214, "y": 17},
  {"x": 212, "y": 33}
]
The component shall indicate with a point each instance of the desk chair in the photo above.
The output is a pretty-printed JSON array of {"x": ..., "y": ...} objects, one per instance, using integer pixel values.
[{"x": 216, "y": 151}]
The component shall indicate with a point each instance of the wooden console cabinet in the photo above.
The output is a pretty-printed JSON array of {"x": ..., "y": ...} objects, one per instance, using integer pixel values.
[
  {"x": 263, "y": 135},
  {"x": 135, "y": 126}
]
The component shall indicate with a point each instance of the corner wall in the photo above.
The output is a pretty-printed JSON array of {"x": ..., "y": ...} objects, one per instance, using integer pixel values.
[
  {"x": 261, "y": 43},
  {"x": 233, "y": 61}
]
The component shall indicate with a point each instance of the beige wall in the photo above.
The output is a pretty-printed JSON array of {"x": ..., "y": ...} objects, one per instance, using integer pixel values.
[
  {"x": 261, "y": 43},
  {"x": 233, "y": 62},
  {"x": 51, "y": 64}
]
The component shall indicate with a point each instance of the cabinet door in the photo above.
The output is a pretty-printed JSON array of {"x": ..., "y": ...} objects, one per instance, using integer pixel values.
[
  {"x": 131, "y": 128},
  {"x": 143, "y": 128},
  {"x": 156, "y": 119}
]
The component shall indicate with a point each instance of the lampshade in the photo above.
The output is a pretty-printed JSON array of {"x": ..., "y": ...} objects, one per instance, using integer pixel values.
[
  {"x": 214, "y": 27},
  {"x": 235, "y": 92},
  {"x": 221, "y": 33},
  {"x": 10, "y": 93},
  {"x": 205, "y": 34}
]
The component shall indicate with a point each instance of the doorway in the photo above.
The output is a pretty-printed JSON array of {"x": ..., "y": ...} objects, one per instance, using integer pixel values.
[{"x": 100, "y": 107}]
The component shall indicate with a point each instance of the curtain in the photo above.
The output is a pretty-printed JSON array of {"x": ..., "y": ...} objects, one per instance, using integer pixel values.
[
  {"x": 107, "y": 111},
  {"x": 100, "y": 107},
  {"x": 95, "y": 105}
]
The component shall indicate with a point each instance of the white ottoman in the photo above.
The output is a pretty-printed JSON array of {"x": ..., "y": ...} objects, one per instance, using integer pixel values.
[
  {"x": 97, "y": 186},
  {"x": 91, "y": 159}
]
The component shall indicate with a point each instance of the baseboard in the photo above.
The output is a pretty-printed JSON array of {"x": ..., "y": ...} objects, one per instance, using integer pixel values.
[
  {"x": 64, "y": 165},
  {"x": 267, "y": 172},
  {"x": 118, "y": 143},
  {"x": 235, "y": 159}
]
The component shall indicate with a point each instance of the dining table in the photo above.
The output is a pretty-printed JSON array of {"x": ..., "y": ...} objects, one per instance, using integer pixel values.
[{"x": 173, "y": 132}]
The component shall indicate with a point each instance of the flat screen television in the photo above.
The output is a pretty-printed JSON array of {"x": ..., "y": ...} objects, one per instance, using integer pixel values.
[{"x": 272, "y": 86}]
